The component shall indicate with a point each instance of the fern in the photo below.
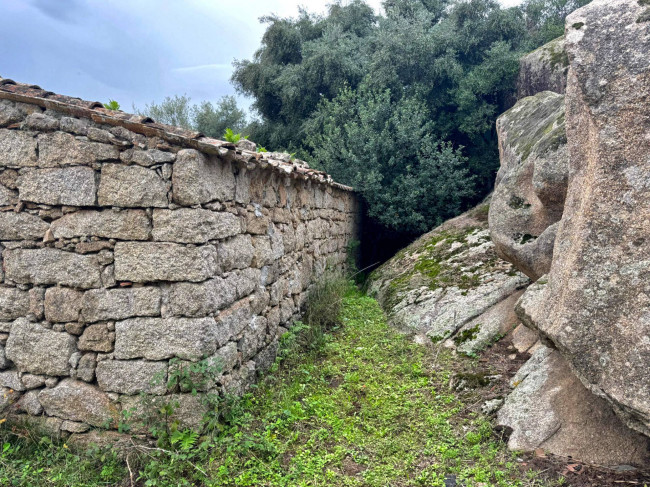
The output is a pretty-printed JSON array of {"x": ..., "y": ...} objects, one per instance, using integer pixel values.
[
  {"x": 111, "y": 105},
  {"x": 186, "y": 439},
  {"x": 231, "y": 136}
]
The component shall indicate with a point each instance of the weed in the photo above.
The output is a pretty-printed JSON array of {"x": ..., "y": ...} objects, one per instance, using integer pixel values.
[
  {"x": 517, "y": 203},
  {"x": 352, "y": 257},
  {"x": 111, "y": 105},
  {"x": 467, "y": 335},
  {"x": 323, "y": 307},
  {"x": 527, "y": 237},
  {"x": 193, "y": 376},
  {"x": 230, "y": 136}
]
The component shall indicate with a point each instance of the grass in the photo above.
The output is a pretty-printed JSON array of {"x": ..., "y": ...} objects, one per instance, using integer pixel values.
[{"x": 368, "y": 408}]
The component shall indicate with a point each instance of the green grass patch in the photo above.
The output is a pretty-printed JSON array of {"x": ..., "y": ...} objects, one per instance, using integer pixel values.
[{"x": 368, "y": 408}]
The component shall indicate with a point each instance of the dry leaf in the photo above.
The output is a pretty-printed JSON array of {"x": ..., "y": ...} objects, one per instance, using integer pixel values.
[{"x": 575, "y": 468}]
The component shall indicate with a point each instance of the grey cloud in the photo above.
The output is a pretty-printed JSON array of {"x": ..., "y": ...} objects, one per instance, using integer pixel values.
[{"x": 61, "y": 10}]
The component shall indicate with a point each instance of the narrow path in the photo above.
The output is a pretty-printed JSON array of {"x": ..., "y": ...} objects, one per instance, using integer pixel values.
[{"x": 368, "y": 408}]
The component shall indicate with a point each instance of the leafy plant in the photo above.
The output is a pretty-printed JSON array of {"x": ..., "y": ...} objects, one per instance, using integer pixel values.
[
  {"x": 193, "y": 376},
  {"x": 186, "y": 439},
  {"x": 262, "y": 149},
  {"x": 230, "y": 136},
  {"x": 111, "y": 105},
  {"x": 323, "y": 307}
]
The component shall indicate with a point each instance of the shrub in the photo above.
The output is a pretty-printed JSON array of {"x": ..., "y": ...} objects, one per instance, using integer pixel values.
[{"x": 323, "y": 307}]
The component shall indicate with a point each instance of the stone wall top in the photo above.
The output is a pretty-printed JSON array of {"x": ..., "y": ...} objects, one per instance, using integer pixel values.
[{"x": 95, "y": 111}]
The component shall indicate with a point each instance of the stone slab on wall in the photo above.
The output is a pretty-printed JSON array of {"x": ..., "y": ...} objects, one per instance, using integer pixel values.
[{"x": 124, "y": 252}]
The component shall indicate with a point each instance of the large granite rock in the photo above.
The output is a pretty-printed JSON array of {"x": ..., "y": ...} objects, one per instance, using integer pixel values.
[
  {"x": 594, "y": 307},
  {"x": 52, "y": 266},
  {"x": 123, "y": 225},
  {"x": 189, "y": 225},
  {"x": 78, "y": 401},
  {"x": 200, "y": 299},
  {"x": 21, "y": 226},
  {"x": 14, "y": 303},
  {"x": 61, "y": 149},
  {"x": 131, "y": 186},
  {"x": 96, "y": 338},
  {"x": 74, "y": 186},
  {"x": 199, "y": 179},
  {"x": 447, "y": 279},
  {"x": 132, "y": 376},
  {"x": 118, "y": 304},
  {"x": 153, "y": 261},
  {"x": 482, "y": 331},
  {"x": 18, "y": 149},
  {"x": 35, "y": 349},
  {"x": 544, "y": 69},
  {"x": 164, "y": 338},
  {"x": 531, "y": 184},
  {"x": 549, "y": 408}
]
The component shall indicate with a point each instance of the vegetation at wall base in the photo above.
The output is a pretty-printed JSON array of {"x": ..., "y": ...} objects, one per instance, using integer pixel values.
[{"x": 367, "y": 408}]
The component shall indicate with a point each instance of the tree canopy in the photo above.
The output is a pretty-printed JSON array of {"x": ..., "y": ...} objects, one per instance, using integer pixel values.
[
  {"x": 210, "y": 119},
  {"x": 402, "y": 106}
]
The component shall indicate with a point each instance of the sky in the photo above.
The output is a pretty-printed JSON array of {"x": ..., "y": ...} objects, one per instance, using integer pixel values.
[{"x": 136, "y": 51}]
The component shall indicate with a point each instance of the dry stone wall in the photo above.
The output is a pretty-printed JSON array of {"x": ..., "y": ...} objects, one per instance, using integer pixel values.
[{"x": 128, "y": 252}]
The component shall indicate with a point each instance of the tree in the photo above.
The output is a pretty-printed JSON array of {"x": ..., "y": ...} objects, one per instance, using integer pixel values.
[
  {"x": 173, "y": 110},
  {"x": 300, "y": 62},
  {"x": 545, "y": 19},
  {"x": 211, "y": 120},
  {"x": 410, "y": 180},
  {"x": 385, "y": 102}
]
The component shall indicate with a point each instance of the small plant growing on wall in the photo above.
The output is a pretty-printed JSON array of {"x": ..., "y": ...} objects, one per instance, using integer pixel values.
[
  {"x": 230, "y": 136},
  {"x": 112, "y": 105}
]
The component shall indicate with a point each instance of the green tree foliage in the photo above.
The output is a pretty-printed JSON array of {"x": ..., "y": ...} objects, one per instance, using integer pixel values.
[
  {"x": 545, "y": 19},
  {"x": 410, "y": 180},
  {"x": 174, "y": 110},
  {"x": 301, "y": 61},
  {"x": 210, "y": 119},
  {"x": 385, "y": 102},
  {"x": 213, "y": 120}
]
